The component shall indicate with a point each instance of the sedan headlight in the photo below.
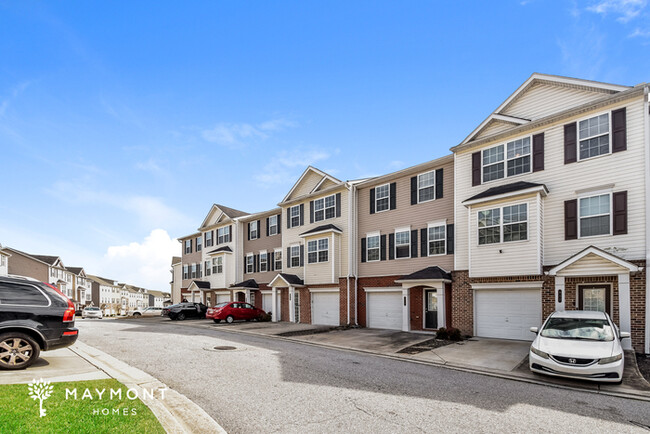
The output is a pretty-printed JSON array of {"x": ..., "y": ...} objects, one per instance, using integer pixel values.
[
  {"x": 541, "y": 354},
  {"x": 612, "y": 359}
]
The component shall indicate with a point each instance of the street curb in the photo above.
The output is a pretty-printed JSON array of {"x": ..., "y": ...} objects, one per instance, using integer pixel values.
[{"x": 176, "y": 413}]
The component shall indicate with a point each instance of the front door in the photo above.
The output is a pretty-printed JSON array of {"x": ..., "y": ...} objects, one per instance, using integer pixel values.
[
  {"x": 594, "y": 297},
  {"x": 430, "y": 309},
  {"x": 241, "y": 296},
  {"x": 296, "y": 306}
]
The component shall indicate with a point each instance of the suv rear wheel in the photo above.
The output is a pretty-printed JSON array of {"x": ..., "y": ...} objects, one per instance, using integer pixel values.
[{"x": 17, "y": 351}]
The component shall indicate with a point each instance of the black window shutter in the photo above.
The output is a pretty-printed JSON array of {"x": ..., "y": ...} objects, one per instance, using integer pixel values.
[
  {"x": 382, "y": 247},
  {"x": 245, "y": 264},
  {"x": 372, "y": 201},
  {"x": 439, "y": 183},
  {"x": 289, "y": 218},
  {"x": 363, "y": 250},
  {"x": 259, "y": 229},
  {"x": 280, "y": 223},
  {"x": 302, "y": 255},
  {"x": 271, "y": 264},
  {"x": 414, "y": 190},
  {"x": 229, "y": 233},
  {"x": 393, "y": 195},
  {"x": 424, "y": 238},
  {"x": 249, "y": 231},
  {"x": 338, "y": 204},
  {"x": 571, "y": 219},
  {"x": 391, "y": 246},
  {"x": 213, "y": 240},
  {"x": 311, "y": 211},
  {"x": 538, "y": 152},
  {"x": 288, "y": 257},
  {"x": 570, "y": 143},
  {"x": 205, "y": 239},
  {"x": 450, "y": 239},
  {"x": 619, "y": 133},
  {"x": 620, "y": 212},
  {"x": 267, "y": 226},
  {"x": 476, "y": 168},
  {"x": 256, "y": 263},
  {"x": 302, "y": 214},
  {"x": 414, "y": 243}
]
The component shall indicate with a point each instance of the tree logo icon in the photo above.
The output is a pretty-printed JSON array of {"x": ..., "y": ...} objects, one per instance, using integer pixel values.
[{"x": 41, "y": 390}]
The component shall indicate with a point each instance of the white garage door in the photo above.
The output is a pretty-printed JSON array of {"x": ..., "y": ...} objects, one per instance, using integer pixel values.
[
  {"x": 267, "y": 305},
  {"x": 508, "y": 314},
  {"x": 222, "y": 298},
  {"x": 325, "y": 308},
  {"x": 384, "y": 310}
]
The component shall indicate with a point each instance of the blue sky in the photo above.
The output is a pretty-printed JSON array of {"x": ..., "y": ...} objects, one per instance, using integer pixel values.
[{"x": 122, "y": 122}]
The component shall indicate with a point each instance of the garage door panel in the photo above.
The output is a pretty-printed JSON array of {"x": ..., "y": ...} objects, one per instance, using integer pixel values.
[
  {"x": 223, "y": 298},
  {"x": 325, "y": 308},
  {"x": 384, "y": 310},
  {"x": 507, "y": 314}
]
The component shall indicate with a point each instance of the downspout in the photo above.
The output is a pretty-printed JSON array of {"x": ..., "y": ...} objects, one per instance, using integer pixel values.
[
  {"x": 355, "y": 222},
  {"x": 646, "y": 108},
  {"x": 350, "y": 232}
]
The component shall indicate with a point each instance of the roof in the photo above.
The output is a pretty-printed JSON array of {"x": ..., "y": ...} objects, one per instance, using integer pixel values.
[
  {"x": 176, "y": 260},
  {"x": 250, "y": 283},
  {"x": 221, "y": 249},
  {"x": 75, "y": 270},
  {"x": 101, "y": 280},
  {"x": 291, "y": 279},
  {"x": 406, "y": 172},
  {"x": 429, "y": 273},
  {"x": 231, "y": 212},
  {"x": 269, "y": 212},
  {"x": 307, "y": 170},
  {"x": 506, "y": 189},
  {"x": 599, "y": 252},
  {"x": 323, "y": 228},
  {"x": 45, "y": 258},
  {"x": 201, "y": 284}
]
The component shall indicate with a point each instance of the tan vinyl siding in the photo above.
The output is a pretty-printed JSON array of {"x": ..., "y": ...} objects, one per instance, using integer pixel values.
[
  {"x": 495, "y": 127},
  {"x": 24, "y": 266},
  {"x": 590, "y": 265},
  {"x": 324, "y": 272},
  {"x": 405, "y": 214},
  {"x": 264, "y": 243},
  {"x": 307, "y": 184}
]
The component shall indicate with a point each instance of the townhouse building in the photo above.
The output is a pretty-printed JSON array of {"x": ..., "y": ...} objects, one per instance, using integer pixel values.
[
  {"x": 49, "y": 269},
  {"x": 81, "y": 287},
  {"x": 551, "y": 208},
  {"x": 106, "y": 294},
  {"x": 158, "y": 298},
  {"x": 177, "y": 278},
  {"x": 191, "y": 259},
  {"x": 405, "y": 242}
]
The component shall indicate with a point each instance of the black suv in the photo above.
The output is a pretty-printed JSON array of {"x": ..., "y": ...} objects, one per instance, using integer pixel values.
[
  {"x": 34, "y": 316},
  {"x": 181, "y": 311}
]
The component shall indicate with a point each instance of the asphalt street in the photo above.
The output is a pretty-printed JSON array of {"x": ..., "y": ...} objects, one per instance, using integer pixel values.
[{"x": 269, "y": 385}]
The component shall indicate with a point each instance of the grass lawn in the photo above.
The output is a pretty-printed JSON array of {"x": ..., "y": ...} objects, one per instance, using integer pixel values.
[{"x": 20, "y": 414}]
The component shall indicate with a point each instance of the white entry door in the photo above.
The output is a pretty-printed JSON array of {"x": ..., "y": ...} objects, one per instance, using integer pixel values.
[
  {"x": 508, "y": 314},
  {"x": 384, "y": 310},
  {"x": 325, "y": 308}
]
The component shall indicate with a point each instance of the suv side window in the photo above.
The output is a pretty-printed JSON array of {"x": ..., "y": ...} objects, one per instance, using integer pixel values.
[{"x": 22, "y": 295}]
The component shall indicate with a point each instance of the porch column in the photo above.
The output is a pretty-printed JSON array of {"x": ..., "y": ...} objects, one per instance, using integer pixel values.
[
  {"x": 292, "y": 307},
  {"x": 442, "y": 306},
  {"x": 274, "y": 304},
  {"x": 248, "y": 296},
  {"x": 560, "y": 293},
  {"x": 406, "y": 315},
  {"x": 625, "y": 317}
]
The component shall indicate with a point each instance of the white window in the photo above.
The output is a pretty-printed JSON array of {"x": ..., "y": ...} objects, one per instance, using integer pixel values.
[
  {"x": 295, "y": 256},
  {"x": 223, "y": 235},
  {"x": 595, "y": 215},
  {"x": 372, "y": 248},
  {"x": 317, "y": 251},
  {"x": 516, "y": 160},
  {"x": 493, "y": 229},
  {"x": 207, "y": 268},
  {"x": 217, "y": 265},
  {"x": 593, "y": 134},
  {"x": 437, "y": 240},
  {"x": 193, "y": 271},
  {"x": 263, "y": 262},
  {"x": 277, "y": 257},
  {"x": 493, "y": 163},
  {"x": 250, "y": 263},
  {"x": 382, "y": 198},
  {"x": 518, "y": 156},
  {"x": 489, "y": 226},
  {"x": 208, "y": 239},
  {"x": 68, "y": 278},
  {"x": 186, "y": 274},
  {"x": 52, "y": 272},
  {"x": 199, "y": 243},
  {"x": 188, "y": 246},
  {"x": 403, "y": 244},
  {"x": 325, "y": 208},
  {"x": 273, "y": 225},
  {"x": 2, "y": 260},
  {"x": 426, "y": 186},
  {"x": 295, "y": 216},
  {"x": 252, "y": 227}
]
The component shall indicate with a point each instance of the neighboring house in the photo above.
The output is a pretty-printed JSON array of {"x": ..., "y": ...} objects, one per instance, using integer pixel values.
[
  {"x": 157, "y": 298},
  {"x": 137, "y": 297},
  {"x": 81, "y": 287},
  {"x": 551, "y": 208},
  {"x": 177, "y": 279},
  {"x": 261, "y": 253},
  {"x": 4, "y": 262},
  {"x": 191, "y": 260},
  {"x": 48, "y": 269},
  {"x": 405, "y": 246},
  {"x": 106, "y": 294}
]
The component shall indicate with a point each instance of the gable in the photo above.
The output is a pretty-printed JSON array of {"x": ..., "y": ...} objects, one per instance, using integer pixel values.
[
  {"x": 310, "y": 179},
  {"x": 324, "y": 184},
  {"x": 494, "y": 126},
  {"x": 592, "y": 264}
]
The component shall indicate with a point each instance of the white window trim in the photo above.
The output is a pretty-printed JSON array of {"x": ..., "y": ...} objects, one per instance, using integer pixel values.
[
  {"x": 609, "y": 133},
  {"x": 266, "y": 261},
  {"x": 252, "y": 265},
  {"x": 505, "y": 159},
  {"x": 291, "y": 216},
  {"x": 225, "y": 231},
  {"x": 291, "y": 256},
  {"x": 404, "y": 229},
  {"x": 257, "y": 230},
  {"x": 435, "y": 225},
  {"x": 378, "y": 199},
  {"x": 418, "y": 186},
  {"x": 611, "y": 217},
  {"x": 275, "y": 261},
  {"x": 500, "y": 225},
  {"x": 369, "y": 235},
  {"x": 325, "y": 208},
  {"x": 275, "y": 225},
  {"x": 318, "y": 250}
]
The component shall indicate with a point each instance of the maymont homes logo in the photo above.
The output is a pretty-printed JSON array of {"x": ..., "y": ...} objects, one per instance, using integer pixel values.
[{"x": 42, "y": 389}]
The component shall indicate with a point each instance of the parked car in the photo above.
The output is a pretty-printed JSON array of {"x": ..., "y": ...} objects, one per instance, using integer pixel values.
[
  {"x": 148, "y": 311},
  {"x": 182, "y": 311},
  {"x": 34, "y": 317},
  {"x": 92, "y": 312},
  {"x": 579, "y": 344},
  {"x": 233, "y": 310}
]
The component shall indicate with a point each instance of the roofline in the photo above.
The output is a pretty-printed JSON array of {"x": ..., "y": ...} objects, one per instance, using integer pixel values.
[
  {"x": 343, "y": 185},
  {"x": 312, "y": 168},
  {"x": 422, "y": 280},
  {"x": 28, "y": 255},
  {"x": 407, "y": 171},
  {"x": 537, "y": 189},
  {"x": 323, "y": 231},
  {"x": 251, "y": 217},
  {"x": 279, "y": 275}
]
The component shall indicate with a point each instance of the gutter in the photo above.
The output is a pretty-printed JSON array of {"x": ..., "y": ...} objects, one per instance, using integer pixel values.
[{"x": 646, "y": 108}]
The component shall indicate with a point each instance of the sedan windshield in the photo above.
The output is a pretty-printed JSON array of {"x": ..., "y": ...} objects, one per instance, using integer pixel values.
[
  {"x": 578, "y": 328},
  {"x": 221, "y": 304}
]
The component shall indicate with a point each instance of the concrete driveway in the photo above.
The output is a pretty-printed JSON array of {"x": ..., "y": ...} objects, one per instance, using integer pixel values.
[{"x": 374, "y": 340}]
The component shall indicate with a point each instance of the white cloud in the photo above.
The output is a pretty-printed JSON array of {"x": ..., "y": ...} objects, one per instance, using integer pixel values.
[
  {"x": 238, "y": 135},
  {"x": 625, "y": 9},
  {"x": 17, "y": 90},
  {"x": 145, "y": 263},
  {"x": 640, "y": 33},
  {"x": 284, "y": 166}
]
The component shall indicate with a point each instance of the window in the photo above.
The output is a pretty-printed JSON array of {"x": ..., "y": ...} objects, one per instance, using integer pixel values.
[
  {"x": 253, "y": 230},
  {"x": 295, "y": 216},
  {"x": 437, "y": 240},
  {"x": 382, "y": 198},
  {"x": 250, "y": 259},
  {"x": 518, "y": 156},
  {"x": 26, "y": 295},
  {"x": 186, "y": 274},
  {"x": 68, "y": 278},
  {"x": 515, "y": 161},
  {"x": 263, "y": 262},
  {"x": 273, "y": 225},
  {"x": 594, "y": 214},
  {"x": 52, "y": 272},
  {"x": 208, "y": 239},
  {"x": 372, "y": 248},
  {"x": 193, "y": 274},
  {"x": 223, "y": 235},
  {"x": 188, "y": 246},
  {"x": 277, "y": 257},
  {"x": 295, "y": 256},
  {"x": 594, "y": 136},
  {"x": 2, "y": 261},
  {"x": 513, "y": 226},
  {"x": 199, "y": 243},
  {"x": 493, "y": 163},
  {"x": 207, "y": 268},
  {"x": 217, "y": 265},
  {"x": 403, "y": 244},
  {"x": 426, "y": 187},
  {"x": 317, "y": 251},
  {"x": 325, "y": 208}
]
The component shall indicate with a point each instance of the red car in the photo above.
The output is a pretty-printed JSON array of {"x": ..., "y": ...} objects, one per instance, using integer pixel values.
[{"x": 233, "y": 310}]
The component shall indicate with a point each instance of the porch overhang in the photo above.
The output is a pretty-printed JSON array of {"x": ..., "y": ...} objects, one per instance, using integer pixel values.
[
  {"x": 284, "y": 280},
  {"x": 434, "y": 277},
  {"x": 246, "y": 284},
  {"x": 592, "y": 250},
  {"x": 198, "y": 285}
]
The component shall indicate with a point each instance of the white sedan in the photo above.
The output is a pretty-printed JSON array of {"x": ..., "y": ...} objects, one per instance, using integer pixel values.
[
  {"x": 148, "y": 311},
  {"x": 92, "y": 312},
  {"x": 578, "y": 344}
]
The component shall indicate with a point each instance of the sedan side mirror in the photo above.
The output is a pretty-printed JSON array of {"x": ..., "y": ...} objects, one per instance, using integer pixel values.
[
  {"x": 624, "y": 335},
  {"x": 534, "y": 330}
]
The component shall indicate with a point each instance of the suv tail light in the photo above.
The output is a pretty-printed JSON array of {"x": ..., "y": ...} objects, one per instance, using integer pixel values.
[{"x": 68, "y": 315}]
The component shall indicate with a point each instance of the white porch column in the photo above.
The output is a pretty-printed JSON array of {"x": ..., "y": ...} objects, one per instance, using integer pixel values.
[
  {"x": 248, "y": 296},
  {"x": 406, "y": 315},
  {"x": 442, "y": 306},
  {"x": 625, "y": 316},
  {"x": 274, "y": 304},
  {"x": 560, "y": 293},
  {"x": 292, "y": 307}
]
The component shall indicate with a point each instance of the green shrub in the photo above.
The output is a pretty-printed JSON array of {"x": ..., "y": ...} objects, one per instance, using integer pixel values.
[{"x": 442, "y": 333}]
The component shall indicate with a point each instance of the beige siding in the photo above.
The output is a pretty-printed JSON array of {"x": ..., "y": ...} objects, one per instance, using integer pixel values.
[
  {"x": 590, "y": 265},
  {"x": 324, "y": 272},
  {"x": 495, "y": 127},
  {"x": 24, "y": 266},
  {"x": 564, "y": 183},
  {"x": 307, "y": 184},
  {"x": 405, "y": 214},
  {"x": 262, "y": 244}
]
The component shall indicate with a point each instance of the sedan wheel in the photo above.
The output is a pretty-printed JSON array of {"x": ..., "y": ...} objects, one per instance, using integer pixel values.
[
  {"x": 229, "y": 319},
  {"x": 17, "y": 351},
  {"x": 137, "y": 314},
  {"x": 216, "y": 321},
  {"x": 181, "y": 316}
]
